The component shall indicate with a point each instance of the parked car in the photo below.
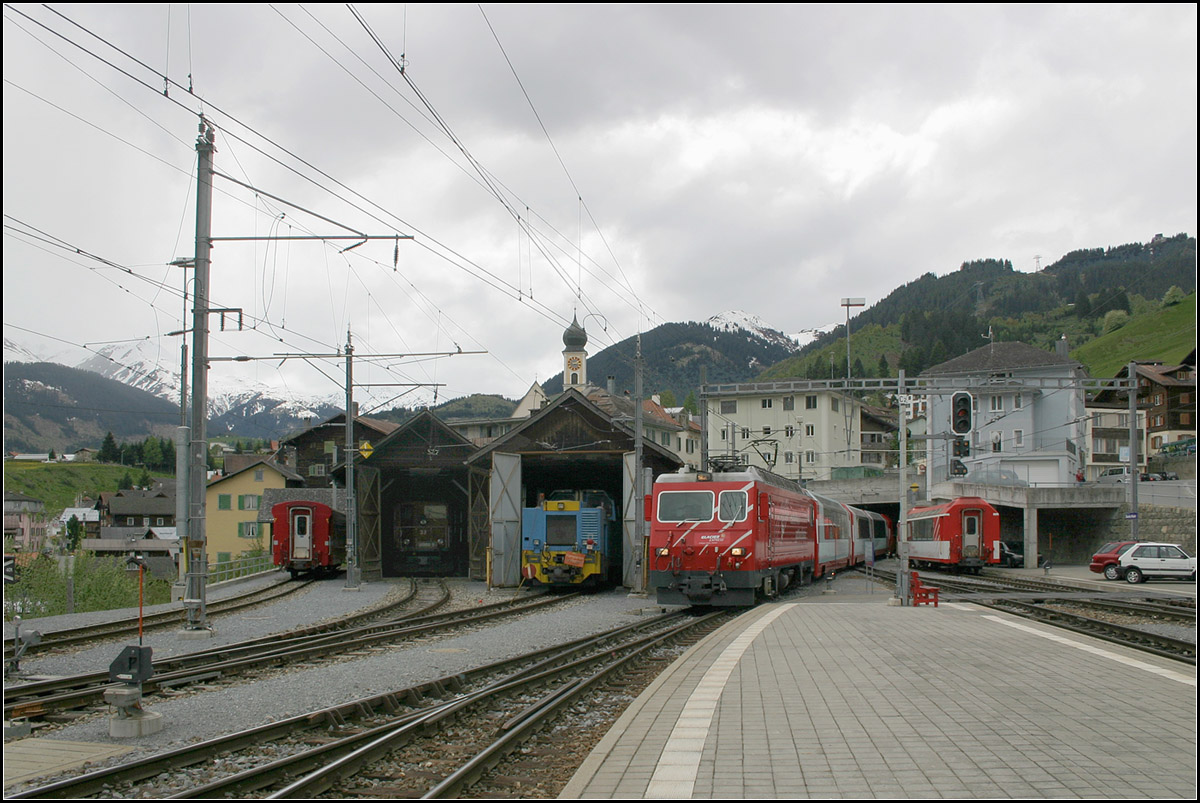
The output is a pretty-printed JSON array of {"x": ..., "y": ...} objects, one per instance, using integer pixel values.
[
  {"x": 1168, "y": 475},
  {"x": 1147, "y": 559},
  {"x": 993, "y": 475},
  {"x": 1107, "y": 560},
  {"x": 1114, "y": 475},
  {"x": 1012, "y": 556}
]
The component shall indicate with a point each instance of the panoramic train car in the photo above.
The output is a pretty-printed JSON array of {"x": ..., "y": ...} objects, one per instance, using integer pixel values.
[
  {"x": 571, "y": 539},
  {"x": 873, "y": 535},
  {"x": 308, "y": 537},
  {"x": 424, "y": 546},
  {"x": 962, "y": 535}
]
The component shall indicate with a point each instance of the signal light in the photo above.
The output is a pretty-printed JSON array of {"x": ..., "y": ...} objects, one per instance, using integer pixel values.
[
  {"x": 960, "y": 413},
  {"x": 962, "y": 448}
]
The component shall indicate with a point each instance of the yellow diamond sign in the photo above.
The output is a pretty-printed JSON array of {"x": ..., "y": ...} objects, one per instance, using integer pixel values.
[{"x": 366, "y": 449}]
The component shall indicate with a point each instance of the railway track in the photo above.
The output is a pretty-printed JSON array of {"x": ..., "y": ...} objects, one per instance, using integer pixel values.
[
  {"x": 436, "y": 740},
  {"x": 1049, "y": 602},
  {"x": 40, "y": 699},
  {"x": 73, "y": 637}
]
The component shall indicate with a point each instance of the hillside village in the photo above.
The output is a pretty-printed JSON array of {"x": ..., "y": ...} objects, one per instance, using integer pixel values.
[{"x": 1034, "y": 427}]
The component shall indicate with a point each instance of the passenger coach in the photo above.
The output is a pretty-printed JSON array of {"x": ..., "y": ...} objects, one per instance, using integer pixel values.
[{"x": 962, "y": 535}]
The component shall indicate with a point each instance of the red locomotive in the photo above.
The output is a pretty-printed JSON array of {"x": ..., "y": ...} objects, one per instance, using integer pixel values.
[
  {"x": 732, "y": 538},
  {"x": 308, "y": 537},
  {"x": 963, "y": 535}
]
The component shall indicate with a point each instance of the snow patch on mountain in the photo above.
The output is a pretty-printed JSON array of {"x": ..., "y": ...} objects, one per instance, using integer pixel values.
[{"x": 738, "y": 320}]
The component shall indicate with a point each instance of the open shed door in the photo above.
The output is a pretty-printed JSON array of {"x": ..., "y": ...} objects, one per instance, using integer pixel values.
[
  {"x": 370, "y": 541},
  {"x": 504, "y": 506},
  {"x": 479, "y": 528},
  {"x": 631, "y": 508}
]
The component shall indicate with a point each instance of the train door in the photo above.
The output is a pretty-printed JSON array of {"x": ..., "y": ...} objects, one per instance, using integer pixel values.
[
  {"x": 972, "y": 533},
  {"x": 301, "y": 528}
]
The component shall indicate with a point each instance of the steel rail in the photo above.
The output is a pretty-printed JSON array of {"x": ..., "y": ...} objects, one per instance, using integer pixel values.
[{"x": 117, "y": 627}]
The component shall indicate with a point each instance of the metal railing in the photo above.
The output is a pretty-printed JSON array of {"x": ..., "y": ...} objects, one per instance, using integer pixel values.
[{"x": 239, "y": 567}]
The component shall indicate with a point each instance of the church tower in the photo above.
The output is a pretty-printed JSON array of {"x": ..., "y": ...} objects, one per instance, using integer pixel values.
[{"x": 574, "y": 356}]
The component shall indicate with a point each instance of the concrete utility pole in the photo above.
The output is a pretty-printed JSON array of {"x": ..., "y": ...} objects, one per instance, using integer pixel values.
[
  {"x": 639, "y": 525},
  {"x": 196, "y": 547},
  {"x": 352, "y": 569},
  {"x": 1134, "y": 474},
  {"x": 902, "y": 520}
]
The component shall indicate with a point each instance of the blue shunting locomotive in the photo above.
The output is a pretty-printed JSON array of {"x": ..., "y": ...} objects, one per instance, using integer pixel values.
[{"x": 571, "y": 539}]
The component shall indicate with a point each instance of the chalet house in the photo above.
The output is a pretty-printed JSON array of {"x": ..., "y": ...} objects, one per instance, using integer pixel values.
[
  {"x": 313, "y": 452},
  {"x": 232, "y": 505}
]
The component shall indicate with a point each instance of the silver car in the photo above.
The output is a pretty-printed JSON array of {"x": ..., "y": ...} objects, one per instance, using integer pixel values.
[{"x": 1156, "y": 560}]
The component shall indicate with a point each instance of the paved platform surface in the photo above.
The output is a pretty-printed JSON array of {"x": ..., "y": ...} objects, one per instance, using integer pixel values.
[
  {"x": 31, "y": 758},
  {"x": 857, "y": 699}
]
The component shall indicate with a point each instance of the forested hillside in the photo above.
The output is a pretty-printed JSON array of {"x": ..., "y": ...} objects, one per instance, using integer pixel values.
[{"x": 1082, "y": 296}]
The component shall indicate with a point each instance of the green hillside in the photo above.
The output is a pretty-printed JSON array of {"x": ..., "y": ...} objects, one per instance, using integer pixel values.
[
  {"x": 1166, "y": 334},
  {"x": 57, "y": 484}
]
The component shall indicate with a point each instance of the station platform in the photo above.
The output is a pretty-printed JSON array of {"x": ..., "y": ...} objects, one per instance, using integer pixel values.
[{"x": 846, "y": 696}]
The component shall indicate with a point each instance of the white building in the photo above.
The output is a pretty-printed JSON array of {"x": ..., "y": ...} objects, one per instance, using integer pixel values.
[
  {"x": 786, "y": 427},
  {"x": 1028, "y": 416}
]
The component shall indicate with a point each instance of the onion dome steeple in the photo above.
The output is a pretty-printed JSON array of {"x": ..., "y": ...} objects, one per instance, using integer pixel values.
[{"x": 574, "y": 337}]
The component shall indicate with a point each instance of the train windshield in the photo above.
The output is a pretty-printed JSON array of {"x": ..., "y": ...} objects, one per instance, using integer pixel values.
[
  {"x": 680, "y": 506},
  {"x": 732, "y": 506},
  {"x": 560, "y": 530}
]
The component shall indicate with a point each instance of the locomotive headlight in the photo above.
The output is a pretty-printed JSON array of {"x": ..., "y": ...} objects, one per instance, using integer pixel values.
[
  {"x": 737, "y": 552},
  {"x": 662, "y": 552}
]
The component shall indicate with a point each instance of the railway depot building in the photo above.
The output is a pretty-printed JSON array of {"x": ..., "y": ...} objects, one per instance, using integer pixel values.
[
  {"x": 577, "y": 441},
  {"x": 412, "y": 495}
]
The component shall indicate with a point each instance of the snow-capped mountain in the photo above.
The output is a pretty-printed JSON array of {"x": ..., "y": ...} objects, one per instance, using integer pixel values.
[
  {"x": 249, "y": 408},
  {"x": 733, "y": 320}
]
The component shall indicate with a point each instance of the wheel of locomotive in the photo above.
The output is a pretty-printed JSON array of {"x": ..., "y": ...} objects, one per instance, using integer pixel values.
[
  {"x": 1134, "y": 575},
  {"x": 1111, "y": 572}
]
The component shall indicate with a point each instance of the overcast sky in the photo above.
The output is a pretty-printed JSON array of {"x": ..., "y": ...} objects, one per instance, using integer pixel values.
[{"x": 630, "y": 165}]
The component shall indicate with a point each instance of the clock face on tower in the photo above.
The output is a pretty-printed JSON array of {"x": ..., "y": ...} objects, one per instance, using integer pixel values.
[{"x": 574, "y": 363}]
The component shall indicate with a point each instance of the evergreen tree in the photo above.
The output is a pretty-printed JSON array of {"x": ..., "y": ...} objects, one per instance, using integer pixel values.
[
  {"x": 883, "y": 369},
  {"x": 152, "y": 452},
  {"x": 1083, "y": 305},
  {"x": 125, "y": 483},
  {"x": 75, "y": 532},
  {"x": 691, "y": 404},
  {"x": 109, "y": 452}
]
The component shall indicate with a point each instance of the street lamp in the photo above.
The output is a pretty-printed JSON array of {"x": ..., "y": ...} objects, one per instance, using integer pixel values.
[{"x": 848, "y": 303}]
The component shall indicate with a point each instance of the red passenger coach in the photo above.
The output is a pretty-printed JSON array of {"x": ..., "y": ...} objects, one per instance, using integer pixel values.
[
  {"x": 308, "y": 537},
  {"x": 960, "y": 535}
]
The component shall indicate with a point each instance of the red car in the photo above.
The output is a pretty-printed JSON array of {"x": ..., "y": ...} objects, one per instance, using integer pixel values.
[{"x": 1107, "y": 559}]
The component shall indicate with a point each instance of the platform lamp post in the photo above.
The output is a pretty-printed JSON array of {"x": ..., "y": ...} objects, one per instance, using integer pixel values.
[{"x": 848, "y": 303}]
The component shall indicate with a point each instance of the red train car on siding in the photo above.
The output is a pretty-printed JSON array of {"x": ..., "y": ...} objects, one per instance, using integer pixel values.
[
  {"x": 308, "y": 537},
  {"x": 962, "y": 535}
]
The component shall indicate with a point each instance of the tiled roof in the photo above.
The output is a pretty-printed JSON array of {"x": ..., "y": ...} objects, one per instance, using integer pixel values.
[{"x": 999, "y": 357}]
